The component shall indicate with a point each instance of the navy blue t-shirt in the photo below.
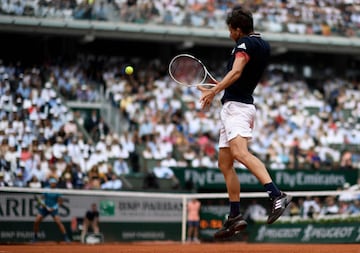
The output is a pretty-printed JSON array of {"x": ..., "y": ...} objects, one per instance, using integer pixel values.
[{"x": 258, "y": 51}]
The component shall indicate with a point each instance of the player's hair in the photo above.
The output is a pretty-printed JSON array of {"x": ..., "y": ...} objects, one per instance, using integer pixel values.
[{"x": 240, "y": 17}]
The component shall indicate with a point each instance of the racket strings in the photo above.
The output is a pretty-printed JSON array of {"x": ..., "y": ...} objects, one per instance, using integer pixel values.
[{"x": 187, "y": 71}]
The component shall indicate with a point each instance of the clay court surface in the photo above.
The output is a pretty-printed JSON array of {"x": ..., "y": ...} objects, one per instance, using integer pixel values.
[{"x": 171, "y": 247}]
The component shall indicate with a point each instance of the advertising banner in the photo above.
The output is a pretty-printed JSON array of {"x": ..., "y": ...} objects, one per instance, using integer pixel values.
[
  {"x": 211, "y": 220},
  {"x": 121, "y": 218},
  {"x": 15, "y": 206},
  {"x": 17, "y": 231},
  {"x": 287, "y": 180},
  {"x": 339, "y": 232}
]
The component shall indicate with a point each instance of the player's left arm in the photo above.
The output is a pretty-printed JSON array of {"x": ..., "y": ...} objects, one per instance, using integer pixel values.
[{"x": 60, "y": 201}]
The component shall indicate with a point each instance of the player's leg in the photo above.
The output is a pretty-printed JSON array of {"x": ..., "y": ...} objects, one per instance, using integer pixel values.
[
  {"x": 36, "y": 227},
  {"x": 226, "y": 165},
  {"x": 239, "y": 149},
  {"x": 95, "y": 227},
  {"x": 84, "y": 230},
  {"x": 61, "y": 227},
  {"x": 190, "y": 231},
  {"x": 238, "y": 121},
  {"x": 196, "y": 231},
  {"x": 280, "y": 201},
  {"x": 235, "y": 222}
]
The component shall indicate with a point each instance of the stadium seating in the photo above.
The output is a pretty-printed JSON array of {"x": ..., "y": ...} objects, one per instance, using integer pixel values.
[{"x": 307, "y": 17}]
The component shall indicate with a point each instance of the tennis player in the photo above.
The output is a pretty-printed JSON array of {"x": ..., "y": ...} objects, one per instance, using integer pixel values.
[
  {"x": 52, "y": 201},
  {"x": 246, "y": 65}
]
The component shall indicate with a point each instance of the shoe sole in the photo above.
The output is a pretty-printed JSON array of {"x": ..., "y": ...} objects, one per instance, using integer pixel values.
[
  {"x": 234, "y": 229},
  {"x": 288, "y": 202}
]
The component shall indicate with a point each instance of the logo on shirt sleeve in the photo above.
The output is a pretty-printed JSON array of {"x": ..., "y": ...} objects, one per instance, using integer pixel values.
[{"x": 242, "y": 45}]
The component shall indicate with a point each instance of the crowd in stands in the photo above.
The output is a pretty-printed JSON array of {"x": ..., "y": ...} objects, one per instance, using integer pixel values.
[
  {"x": 302, "y": 127},
  {"x": 41, "y": 138},
  {"x": 312, "y": 207},
  {"x": 321, "y": 17}
]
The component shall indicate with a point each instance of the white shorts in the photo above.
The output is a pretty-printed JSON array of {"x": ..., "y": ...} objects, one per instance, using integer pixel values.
[{"x": 236, "y": 119}]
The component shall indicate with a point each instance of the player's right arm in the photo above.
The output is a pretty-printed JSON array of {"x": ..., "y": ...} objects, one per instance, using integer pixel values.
[{"x": 241, "y": 59}]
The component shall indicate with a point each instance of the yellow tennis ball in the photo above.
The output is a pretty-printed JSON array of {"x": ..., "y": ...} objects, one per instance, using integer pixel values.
[{"x": 129, "y": 70}]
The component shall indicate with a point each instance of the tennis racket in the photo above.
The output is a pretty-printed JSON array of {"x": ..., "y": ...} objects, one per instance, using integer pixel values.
[
  {"x": 189, "y": 71},
  {"x": 41, "y": 202}
]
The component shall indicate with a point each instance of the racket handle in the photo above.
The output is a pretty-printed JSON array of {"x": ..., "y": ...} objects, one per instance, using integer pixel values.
[{"x": 207, "y": 85}]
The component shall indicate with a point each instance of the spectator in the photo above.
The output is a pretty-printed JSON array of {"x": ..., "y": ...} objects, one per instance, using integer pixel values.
[
  {"x": 254, "y": 212},
  {"x": 354, "y": 207},
  {"x": 73, "y": 149},
  {"x": 22, "y": 173},
  {"x": 150, "y": 181},
  {"x": 48, "y": 92},
  {"x": 169, "y": 161},
  {"x": 163, "y": 172},
  {"x": 53, "y": 172},
  {"x": 119, "y": 150},
  {"x": 189, "y": 154},
  {"x": 113, "y": 184},
  {"x": 104, "y": 167},
  {"x": 2, "y": 181},
  {"x": 121, "y": 167},
  {"x": 78, "y": 178},
  {"x": 34, "y": 183},
  {"x": 25, "y": 153},
  {"x": 295, "y": 208},
  {"x": 109, "y": 172},
  {"x": 38, "y": 173},
  {"x": 330, "y": 207},
  {"x": 203, "y": 161},
  {"x": 91, "y": 121},
  {"x": 85, "y": 164},
  {"x": 70, "y": 127},
  {"x": 346, "y": 161},
  {"x": 95, "y": 178},
  {"x": 100, "y": 129},
  {"x": 147, "y": 153},
  {"x": 66, "y": 181},
  {"x": 100, "y": 11},
  {"x": 87, "y": 184},
  {"x": 311, "y": 208},
  {"x": 61, "y": 165},
  {"x": 83, "y": 10}
]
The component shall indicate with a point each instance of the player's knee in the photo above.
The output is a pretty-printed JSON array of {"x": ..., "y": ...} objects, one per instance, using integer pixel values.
[
  {"x": 242, "y": 156},
  {"x": 227, "y": 171},
  {"x": 57, "y": 220},
  {"x": 224, "y": 166}
]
